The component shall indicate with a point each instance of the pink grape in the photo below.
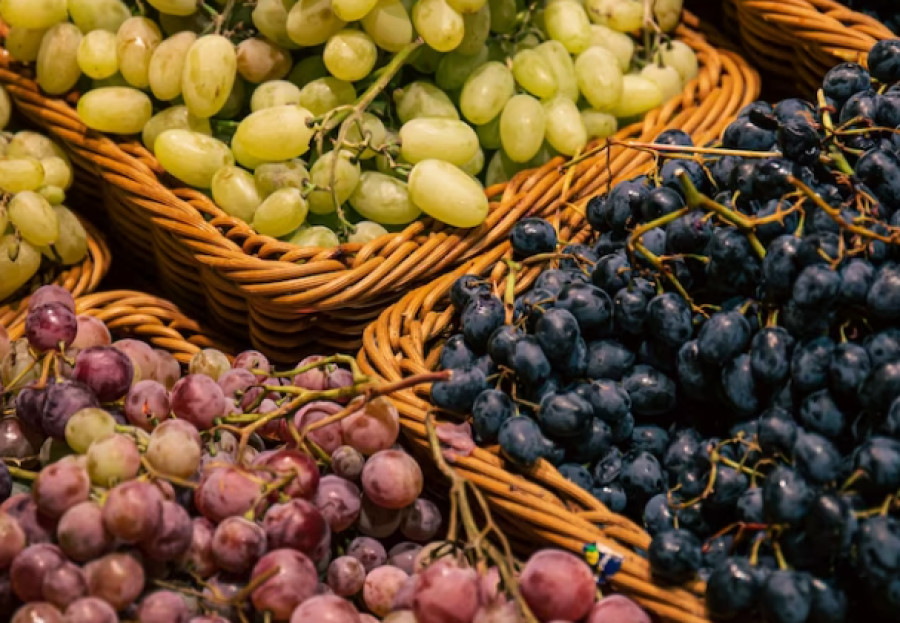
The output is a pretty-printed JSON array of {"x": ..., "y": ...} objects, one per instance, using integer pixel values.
[
  {"x": 64, "y": 584},
  {"x": 446, "y": 594},
  {"x": 226, "y": 491},
  {"x": 22, "y": 508},
  {"x": 296, "y": 524},
  {"x": 199, "y": 557},
  {"x": 372, "y": 428},
  {"x": 498, "y": 612},
  {"x": 81, "y": 533},
  {"x": 49, "y": 325},
  {"x": 51, "y": 293},
  {"x": 381, "y": 584},
  {"x": 347, "y": 462},
  {"x": 60, "y": 486},
  {"x": 346, "y": 575},
  {"x": 199, "y": 400},
  {"x": 175, "y": 448},
  {"x": 234, "y": 383},
  {"x": 143, "y": 357},
  {"x": 133, "y": 511},
  {"x": 392, "y": 479},
  {"x": 403, "y": 555},
  {"x": 147, "y": 400},
  {"x": 90, "y": 610},
  {"x": 403, "y": 598},
  {"x": 37, "y": 612},
  {"x": 106, "y": 370},
  {"x": 296, "y": 465},
  {"x": 16, "y": 441},
  {"x": 173, "y": 537},
  {"x": 113, "y": 459},
  {"x": 31, "y": 566},
  {"x": 91, "y": 332},
  {"x": 339, "y": 377},
  {"x": 237, "y": 544},
  {"x": 315, "y": 379},
  {"x": 252, "y": 360},
  {"x": 339, "y": 501},
  {"x": 163, "y": 607},
  {"x": 376, "y": 521},
  {"x": 617, "y": 609},
  {"x": 368, "y": 551},
  {"x": 329, "y": 436},
  {"x": 325, "y": 609},
  {"x": 62, "y": 400},
  {"x": 294, "y": 582},
  {"x": 421, "y": 521},
  {"x": 12, "y": 540},
  {"x": 168, "y": 370},
  {"x": 557, "y": 585},
  {"x": 166, "y": 489},
  {"x": 30, "y": 409},
  {"x": 115, "y": 578}
]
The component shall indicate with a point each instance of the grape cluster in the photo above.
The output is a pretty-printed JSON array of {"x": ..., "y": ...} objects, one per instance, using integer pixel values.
[
  {"x": 410, "y": 106},
  {"x": 723, "y": 363},
  {"x": 36, "y": 229}
]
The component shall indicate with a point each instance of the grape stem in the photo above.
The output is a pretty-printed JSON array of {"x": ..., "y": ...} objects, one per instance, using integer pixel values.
[
  {"x": 679, "y": 150},
  {"x": 21, "y": 474}
]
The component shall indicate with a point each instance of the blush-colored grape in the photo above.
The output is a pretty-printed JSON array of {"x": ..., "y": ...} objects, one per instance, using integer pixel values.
[
  {"x": 557, "y": 585},
  {"x": 339, "y": 500},
  {"x": 294, "y": 582},
  {"x": 392, "y": 479},
  {"x": 116, "y": 578},
  {"x": 372, "y": 428}
]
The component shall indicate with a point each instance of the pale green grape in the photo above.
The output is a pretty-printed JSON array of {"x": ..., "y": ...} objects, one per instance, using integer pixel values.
[
  {"x": 308, "y": 69},
  {"x": 311, "y": 22},
  {"x": 486, "y": 92},
  {"x": 439, "y": 25},
  {"x": 34, "y": 218},
  {"x": 496, "y": 173},
  {"x": 167, "y": 65},
  {"x": 324, "y": 94},
  {"x": 534, "y": 73},
  {"x": 57, "y": 172},
  {"x": 365, "y": 232},
  {"x": 383, "y": 199},
  {"x": 270, "y": 18},
  {"x": 454, "y": 67},
  {"x": 384, "y": 164},
  {"x": 53, "y": 194},
  {"x": 174, "y": 7},
  {"x": 91, "y": 15},
  {"x": 57, "y": 61},
  {"x": 446, "y": 193},
  {"x": 71, "y": 246},
  {"x": 278, "y": 133},
  {"x": 620, "y": 44},
  {"x": 665, "y": 77},
  {"x": 87, "y": 426},
  {"x": 599, "y": 124},
  {"x": 19, "y": 261},
  {"x": 136, "y": 40},
  {"x": 23, "y": 44},
  {"x": 522, "y": 127},
  {"x": 346, "y": 177},
  {"x": 350, "y": 55},
  {"x": 599, "y": 78},
  {"x": 33, "y": 13},
  {"x": 317, "y": 236},
  {"x": 192, "y": 157},
  {"x": 272, "y": 176},
  {"x": 503, "y": 16},
  {"x": 679, "y": 55},
  {"x": 667, "y": 13},
  {"x": 117, "y": 110},
  {"x": 639, "y": 95},
  {"x": 280, "y": 213},
  {"x": 242, "y": 157},
  {"x": 176, "y": 117},
  {"x": 567, "y": 23},
  {"x": 445, "y": 139},
  {"x": 96, "y": 55},
  {"x": 423, "y": 99},
  {"x": 234, "y": 190},
  {"x": 21, "y": 174},
  {"x": 475, "y": 164},
  {"x": 621, "y": 15},
  {"x": 274, "y": 93},
  {"x": 233, "y": 107},
  {"x": 477, "y": 26},
  {"x": 562, "y": 66},
  {"x": 28, "y": 144},
  {"x": 369, "y": 129},
  {"x": 352, "y": 10},
  {"x": 565, "y": 130},
  {"x": 259, "y": 60},
  {"x": 5, "y": 109},
  {"x": 209, "y": 75},
  {"x": 389, "y": 25},
  {"x": 489, "y": 133}
]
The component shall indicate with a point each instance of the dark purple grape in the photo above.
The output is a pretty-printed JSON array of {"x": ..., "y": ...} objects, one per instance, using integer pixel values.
[
  {"x": 106, "y": 370},
  {"x": 50, "y": 326},
  {"x": 62, "y": 400},
  {"x": 31, "y": 567}
]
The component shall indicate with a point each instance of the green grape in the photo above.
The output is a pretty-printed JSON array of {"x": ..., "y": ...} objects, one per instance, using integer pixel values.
[
  {"x": 270, "y": 18},
  {"x": 136, "y": 40},
  {"x": 325, "y": 94},
  {"x": 446, "y": 193},
  {"x": 176, "y": 117},
  {"x": 365, "y": 232},
  {"x": 496, "y": 173},
  {"x": 467, "y": 7},
  {"x": 350, "y": 55},
  {"x": 503, "y": 16},
  {"x": 91, "y": 15},
  {"x": 234, "y": 190},
  {"x": 209, "y": 75},
  {"x": 117, "y": 110},
  {"x": 666, "y": 78},
  {"x": 210, "y": 362},
  {"x": 620, "y": 44},
  {"x": 53, "y": 194},
  {"x": 71, "y": 246},
  {"x": 567, "y": 23},
  {"x": 96, "y": 54},
  {"x": 23, "y": 44},
  {"x": 534, "y": 73},
  {"x": 115, "y": 80},
  {"x": 33, "y": 13},
  {"x": 259, "y": 60},
  {"x": 621, "y": 15},
  {"x": 233, "y": 108},
  {"x": 308, "y": 69},
  {"x": 346, "y": 177},
  {"x": 312, "y": 22},
  {"x": 34, "y": 218},
  {"x": 317, "y": 236},
  {"x": 19, "y": 261},
  {"x": 425, "y": 59},
  {"x": 599, "y": 78},
  {"x": 280, "y": 213},
  {"x": 368, "y": 129},
  {"x": 112, "y": 459},
  {"x": 274, "y": 134},
  {"x": 439, "y": 25},
  {"x": 477, "y": 26},
  {"x": 272, "y": 176},
  {"x": 598, "y": 124},
  {"x": 667, "y": 13},
  {"x": 21, "y": 174},
  {"x": 679, "y": 55},
  {"x": 192, "y": 157},
  {"x": 174, "y": 7},
  {"x": 389, "y": 25},
  {"x": 455, "y": 67},
  {"x": 5, "y": 109},
  {"x": 486, "y": 92},
  {"x": 383, "y": 199},
  {"x": 57, "y": 65},
  {"x": 28, "y": 144},
  {"x": 274, "y": 93},
  {"x": 475, "y": 164},
  {"x": 385, "y": 164},
  {"x": 242, "y": 157},
  {"x": 57, "y": 172},
  {"x": 639, "y": 96},
  {"x": 445, "y": 139},
  {"x": 529, "y": 41},
  {"x": 489, "y": 133},
  {"x": 565, "y": 130},
  {"x": 423, "y": 99},
  {"x": 352, "y": 10},
  {"x": 562, "y": 66},
  {"x": 87, "y": 426},
  {"x": 167, "y": 65},
  {"x": 522, "y": 127}
]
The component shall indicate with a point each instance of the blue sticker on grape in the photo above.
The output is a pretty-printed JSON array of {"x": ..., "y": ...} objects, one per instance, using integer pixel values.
[{"x": 603, "y": 561}]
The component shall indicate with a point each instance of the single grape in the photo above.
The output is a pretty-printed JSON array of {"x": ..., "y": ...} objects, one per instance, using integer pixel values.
[
  {"x": 12, "y": 540},
  {"x": 147, "y": 400},
  {"x": 372, "y": 428},
  {"x": 199, "y": 400},
  {"x": 226, "y": 491},
  {"x": 421, "y": 521},
  {"x": 339, "y": 501},
  {"x": 557, "y": 585},
  {"x": 173, "y": 537},
  {"x": 64, "y": 585},
  {"x": 347, "y": 462},
  {"x": 327, "y": 609},
  {"x": 294, "y": 582},
  {"x": 376, "y": 521},
  {"x": 199, "y": 557},
  {"x": 90, "y": 610},
  {"x": 60, "y": 486},
  {"x": 106, "y": 370},
  {"x": 113, "y": 459},
  {"x": 163, "y": 606},
  {"x": 133, "y": 511},
  {"x": 87, "y": 426},
  {"x": 62, "y": 401},
  {"x": 51, "y": 294},
  {"x": 192, "y": 157},
  {"x": 116, "y": 578},
  {"x": 115, "y": 109},
  {"x": 346, "y": 575},
  {"x": 380, "y": 587},
  {"x": 298, "y": 466},
  {"x": 22, "y": 508},
  {"x": 392, "y": 479},
  {"x": 42, "y": 611},
  {"x": 168, "y": 370},
  {"x": 209, "y": 361},
  {"x": 49, "y": 326},
  {"x": 143, "y": 357},
  {"x": 446, "y": 593},
  {"x": 237, "y": 544},
  {"x": 31, "y": 566},
  {"x": 259, "y": 61},
  {"x": 81, "y": 533},
  {"x": 297, "y": 524}
]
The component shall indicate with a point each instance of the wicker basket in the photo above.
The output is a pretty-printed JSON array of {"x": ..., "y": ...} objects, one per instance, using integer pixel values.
[
  {"x": 288, "y": 298},
  {"x": 797, "y": 41}
]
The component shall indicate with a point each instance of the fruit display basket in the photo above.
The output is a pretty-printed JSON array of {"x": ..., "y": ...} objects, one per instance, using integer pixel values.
[
  {"x": 797, "y": 41},
  {"x": 290, "y": 299}
]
